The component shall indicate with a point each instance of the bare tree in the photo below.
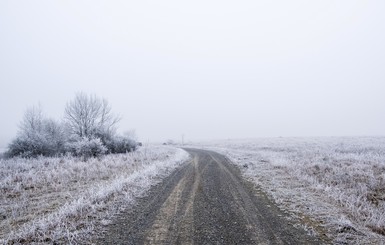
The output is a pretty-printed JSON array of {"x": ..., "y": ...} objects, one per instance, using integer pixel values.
[
  {"x": 32, "y": 121},
  {"x": 89, "y": 116}
]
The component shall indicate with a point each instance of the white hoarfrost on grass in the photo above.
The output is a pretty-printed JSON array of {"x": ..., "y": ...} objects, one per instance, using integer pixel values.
[
  {"x": 65, "y": 200},
  {"x": 334, "y": 186}
]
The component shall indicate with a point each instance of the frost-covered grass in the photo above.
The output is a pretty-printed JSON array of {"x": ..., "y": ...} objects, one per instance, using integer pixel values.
[
  {"x": 65, "y": 200},
  {"x": 335, "y": 186}
]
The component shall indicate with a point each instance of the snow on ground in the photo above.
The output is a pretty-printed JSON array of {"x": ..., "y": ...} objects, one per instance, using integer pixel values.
[
  {"x": 334, "y": 186},
  {"x": 66, "y": 200}
]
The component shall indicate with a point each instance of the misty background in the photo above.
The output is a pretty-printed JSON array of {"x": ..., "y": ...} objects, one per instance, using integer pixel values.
[{"x": 202, "y": 69}]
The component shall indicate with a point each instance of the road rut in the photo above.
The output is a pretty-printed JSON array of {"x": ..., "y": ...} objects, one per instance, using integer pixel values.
[{"x": 205, "y": 202}]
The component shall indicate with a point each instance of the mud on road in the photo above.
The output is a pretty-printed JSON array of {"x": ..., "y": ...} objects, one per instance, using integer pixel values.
[{"x": 205, "y": 202}]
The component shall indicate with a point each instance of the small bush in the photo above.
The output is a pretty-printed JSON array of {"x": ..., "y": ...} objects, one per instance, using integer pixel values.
[
  {"x": 121, "y": 144},
  {"x": 34, "y": 145},
  {"x": 86, "y": 148},
  {"x": 37, "y": 136},
  {"x": 25, "y": 147}
]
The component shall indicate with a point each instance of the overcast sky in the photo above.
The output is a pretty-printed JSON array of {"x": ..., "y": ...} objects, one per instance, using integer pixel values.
[{"x": 206, "y": 69}]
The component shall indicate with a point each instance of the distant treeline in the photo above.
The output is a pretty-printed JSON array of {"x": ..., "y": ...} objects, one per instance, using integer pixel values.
[{"x": 88, "y": 129}]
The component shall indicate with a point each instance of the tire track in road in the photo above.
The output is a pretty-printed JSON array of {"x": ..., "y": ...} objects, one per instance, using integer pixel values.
[
  {"x": 174, "y": 223},
  {"x": 205, "y": 202}
]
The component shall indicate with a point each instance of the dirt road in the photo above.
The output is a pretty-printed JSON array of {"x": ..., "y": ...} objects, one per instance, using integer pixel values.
[{"x": 205, "y": 202}]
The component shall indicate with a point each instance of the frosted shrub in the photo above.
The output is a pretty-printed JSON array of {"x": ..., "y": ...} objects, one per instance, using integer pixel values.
[
  {"x": 121, "y": 144},
  {"x": 27, "y": 147},
  {"x": 47, "y": 140},
  {"x": 86, "y": 148}
]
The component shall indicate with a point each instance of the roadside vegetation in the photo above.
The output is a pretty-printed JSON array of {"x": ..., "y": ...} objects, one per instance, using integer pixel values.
[
  {"x": 62, "y": 181},
  {"x": 66, "y": 200},
  {"x": 334, "y": 186},
  {"x": 88, "y": 129}
]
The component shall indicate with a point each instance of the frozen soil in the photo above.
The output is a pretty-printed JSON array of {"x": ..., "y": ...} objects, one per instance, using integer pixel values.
[{"x": 206, "y": 201}]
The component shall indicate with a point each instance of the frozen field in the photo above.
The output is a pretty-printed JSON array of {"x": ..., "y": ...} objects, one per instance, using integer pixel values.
[
  {"x": 65, "y": 200},
  {"x": 334, "y": 186}
]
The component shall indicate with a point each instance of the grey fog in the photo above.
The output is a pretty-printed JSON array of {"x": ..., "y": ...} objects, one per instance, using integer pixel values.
[{"x": 201, "y": 69}]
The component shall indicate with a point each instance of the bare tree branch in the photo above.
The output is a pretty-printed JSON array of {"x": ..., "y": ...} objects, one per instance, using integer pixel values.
[{"x": 90, "y": 115}]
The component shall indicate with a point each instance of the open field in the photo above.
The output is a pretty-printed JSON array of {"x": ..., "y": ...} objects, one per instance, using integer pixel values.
[
  {"x": 334, "y": 186},
  {"x": 65, "y": 200}
]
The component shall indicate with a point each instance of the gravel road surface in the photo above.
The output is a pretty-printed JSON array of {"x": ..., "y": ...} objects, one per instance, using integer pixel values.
[{"x": 206, "y": 201}]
